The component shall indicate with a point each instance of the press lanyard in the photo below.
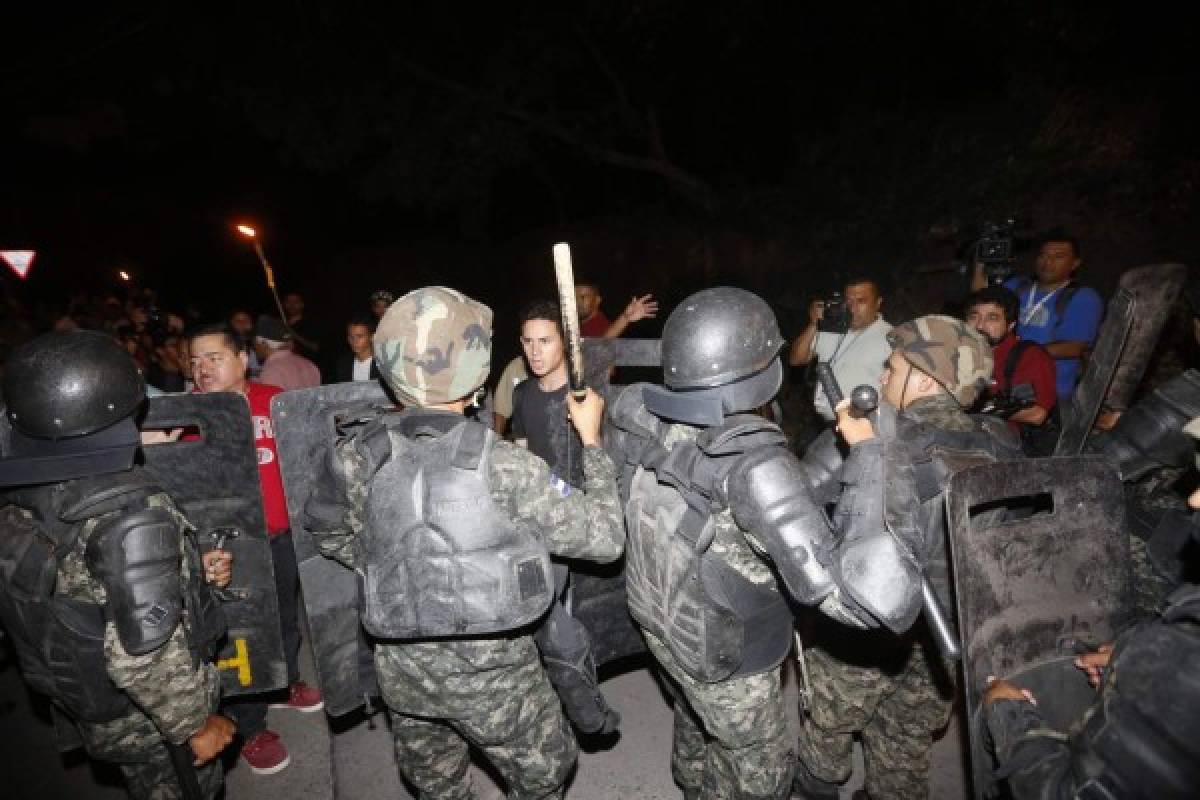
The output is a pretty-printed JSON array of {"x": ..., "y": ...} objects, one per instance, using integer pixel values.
[{"x": 1035, "y": 307}]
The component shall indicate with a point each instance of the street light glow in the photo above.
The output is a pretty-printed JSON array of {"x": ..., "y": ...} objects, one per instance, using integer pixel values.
[
  {"x": 246, "y": 230},
  {"x": 124, "y": 275}
]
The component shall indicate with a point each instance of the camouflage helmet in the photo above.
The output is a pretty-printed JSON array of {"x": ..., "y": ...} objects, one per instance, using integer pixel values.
[
  {"x": 949, "y": 351},
  {"x": 434, "y": 345}
]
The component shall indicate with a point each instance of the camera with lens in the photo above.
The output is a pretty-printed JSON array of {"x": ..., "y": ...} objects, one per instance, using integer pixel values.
[
  {"x": 1005, "y": 404},
  {"x": 994, "y": 250},
  {"x": 836, "y": 316}
]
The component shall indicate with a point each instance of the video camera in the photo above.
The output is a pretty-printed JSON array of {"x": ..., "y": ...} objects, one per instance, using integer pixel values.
[
  {"x": 836, "y": 317},
  {"x": 994, "y": 250},
  {"x": 1005, "y": 404}
]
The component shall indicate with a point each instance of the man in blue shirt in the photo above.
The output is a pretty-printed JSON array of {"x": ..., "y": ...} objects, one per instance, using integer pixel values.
[{"x": 1055, "y": 312}]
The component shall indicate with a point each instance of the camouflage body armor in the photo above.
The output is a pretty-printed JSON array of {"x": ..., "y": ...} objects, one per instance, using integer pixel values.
[
  {"x": 133, "y": 552},
  {"x": 440, "y": 558}
]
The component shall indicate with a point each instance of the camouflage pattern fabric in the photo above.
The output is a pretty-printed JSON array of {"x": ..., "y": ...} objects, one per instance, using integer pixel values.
[
  {"x": 434, "y": 345},
  {"x": 491, "y": 692},
  {"x": 731, "y": 738},
  {"x": 174, "y": 696},
  {"x": 175, "y": 693},
  {"x": 136, "y": 747},
  {"x": 946, "y": 349},
  {"x": 896, "y": 694}
]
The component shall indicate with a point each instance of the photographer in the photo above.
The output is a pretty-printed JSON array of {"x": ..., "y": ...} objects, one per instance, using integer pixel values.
[
  {"x": 849, "y": 334},
  {"x": 1054, "y": 311},
  {"x": 1023, "y": 375}
]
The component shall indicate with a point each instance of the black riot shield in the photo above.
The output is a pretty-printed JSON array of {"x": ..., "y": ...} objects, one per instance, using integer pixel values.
[
  {"x": 1132, "y": 325},
  {"x": 1033, "y": 592},
  {"x": 305, "y": 429},
  {"x": 598, "y": 590},
  {"x": 214, "y": 481}
]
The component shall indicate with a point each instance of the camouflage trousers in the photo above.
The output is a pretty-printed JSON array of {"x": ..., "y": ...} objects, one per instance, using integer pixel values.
[
  {"x": 514, "y": 719},
  {"x": 134, "y": 744},
  {"x": 895, "y": 696},
  {"x": 731, "y": 738}
]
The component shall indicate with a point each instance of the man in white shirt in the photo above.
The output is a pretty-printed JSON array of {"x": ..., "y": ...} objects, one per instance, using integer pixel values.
[{"x": 857, "y": 356}]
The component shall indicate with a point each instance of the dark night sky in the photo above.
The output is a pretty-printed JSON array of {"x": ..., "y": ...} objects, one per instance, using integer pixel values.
[{"x": 134, "y": 137}]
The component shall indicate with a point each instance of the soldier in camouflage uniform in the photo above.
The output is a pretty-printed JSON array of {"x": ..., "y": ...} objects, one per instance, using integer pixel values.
[
  {"x": 100, "y": 582},
  {"x": 722, "y": 518},
  {"x": 895, "y": 690},
  {"x": 460, "y": 670}
]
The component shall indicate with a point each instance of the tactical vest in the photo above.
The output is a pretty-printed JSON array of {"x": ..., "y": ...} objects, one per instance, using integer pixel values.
[
  {"x": 440, "y": 558},
  {"x": 60, "y": 640},
  {"x": 717, "y": 623}
]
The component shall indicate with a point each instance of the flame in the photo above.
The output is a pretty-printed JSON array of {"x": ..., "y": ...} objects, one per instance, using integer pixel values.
[{"x": 246, "y": 230}]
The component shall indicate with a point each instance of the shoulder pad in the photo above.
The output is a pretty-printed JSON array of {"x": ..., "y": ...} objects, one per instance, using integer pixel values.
[
  {"x": 137, "y": 559},
  {"x": 627, "y": 411},
  {"x": 740, "y": 433},
  {"x": 768, "y": 498},
  {"x": 104, "y": 494}
]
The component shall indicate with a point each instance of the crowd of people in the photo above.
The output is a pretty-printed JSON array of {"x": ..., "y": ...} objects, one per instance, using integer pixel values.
[{"x": 730, "y": 536}]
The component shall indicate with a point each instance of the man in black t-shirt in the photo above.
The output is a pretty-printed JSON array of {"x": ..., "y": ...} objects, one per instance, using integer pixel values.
[
  {"x": 540, "y": 402},
  {"x": 540, "y": 423}
]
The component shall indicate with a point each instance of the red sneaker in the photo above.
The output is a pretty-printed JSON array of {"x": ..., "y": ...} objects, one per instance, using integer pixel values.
[
  {"x": 302, "y": 697},
  {"x": 265, "y": 754}
]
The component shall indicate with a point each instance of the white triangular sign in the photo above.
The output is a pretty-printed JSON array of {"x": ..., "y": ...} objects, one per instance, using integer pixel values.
[{"x": 18, "y": 260}]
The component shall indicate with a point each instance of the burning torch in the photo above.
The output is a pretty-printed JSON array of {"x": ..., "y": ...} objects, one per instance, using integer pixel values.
[{"x": 252, "y": 235}]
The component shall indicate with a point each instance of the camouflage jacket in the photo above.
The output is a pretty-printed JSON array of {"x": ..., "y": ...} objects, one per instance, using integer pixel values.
[
  {"x": 445, "y": 678},
  {"x": 165, "y": 684}
]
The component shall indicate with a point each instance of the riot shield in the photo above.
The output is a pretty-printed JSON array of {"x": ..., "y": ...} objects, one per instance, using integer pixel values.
[
  {"x": 214, "y": 481},
  {"x": 305, "y": 429},
  {"x": 601, "y": 356},
  {"x": 1156, "y": 287},
  {"x": 1131, "y": 328},
  {"x": 1033, "y": 592}
]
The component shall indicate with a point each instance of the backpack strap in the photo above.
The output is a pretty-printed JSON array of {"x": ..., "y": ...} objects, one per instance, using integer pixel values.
[{"x": 1013, "y": 359}]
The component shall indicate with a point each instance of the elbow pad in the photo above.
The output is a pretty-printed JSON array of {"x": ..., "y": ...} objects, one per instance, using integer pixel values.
[
  {"x": 767, "y": 495},
  {"x": 136, "y": 558}
]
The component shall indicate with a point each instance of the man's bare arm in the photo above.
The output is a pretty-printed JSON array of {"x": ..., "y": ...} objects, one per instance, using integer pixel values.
[{"x": 639, "y": 308}]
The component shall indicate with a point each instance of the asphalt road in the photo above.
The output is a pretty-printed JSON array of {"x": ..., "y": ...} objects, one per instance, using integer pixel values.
[{"x": 635, "y": 765}]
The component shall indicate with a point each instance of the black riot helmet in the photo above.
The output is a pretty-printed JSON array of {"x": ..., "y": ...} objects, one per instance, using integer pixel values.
[
  {"x": 720, "y": 352},
  {"x": 67, "y": 384},
  {"x": 70, "y": 398}
]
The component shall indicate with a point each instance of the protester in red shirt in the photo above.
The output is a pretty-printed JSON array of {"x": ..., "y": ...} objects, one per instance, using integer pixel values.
[
  {"x": 219, "y": 365},
  {"x": 592, "y": 321},
  {"x": 993, "y": 312}
]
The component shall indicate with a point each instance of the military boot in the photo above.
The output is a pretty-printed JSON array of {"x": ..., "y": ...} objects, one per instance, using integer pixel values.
[{"x": 806, "y": 786}]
